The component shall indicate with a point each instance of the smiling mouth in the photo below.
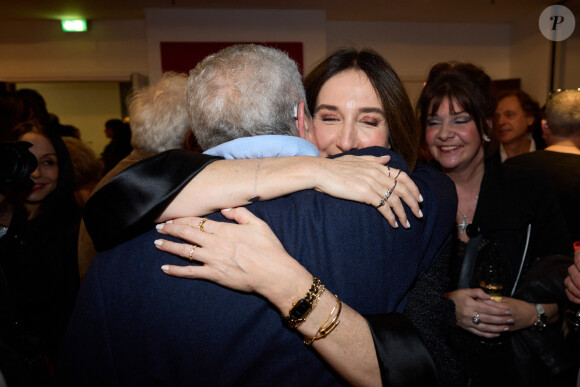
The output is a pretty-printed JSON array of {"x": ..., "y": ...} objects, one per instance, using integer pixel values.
[
  {"x": 449, "y": 148},
  {"x": 37, "y": 187}
]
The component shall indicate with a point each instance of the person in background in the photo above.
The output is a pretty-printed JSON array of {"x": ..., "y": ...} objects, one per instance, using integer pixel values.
[
  {"x": 88, "y": 170},
  {"x": 508, "y": 220},
  {"x": 516, "y": 118},
  {"x": 159, "y": 121},
  {"x": 38, "y": 261},
  {"x": 120, "y": 145},
  {"x": 560, "y": 161}
]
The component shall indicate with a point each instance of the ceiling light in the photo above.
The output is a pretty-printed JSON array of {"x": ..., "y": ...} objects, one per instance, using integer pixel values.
[{"x": 74, "y": 25}]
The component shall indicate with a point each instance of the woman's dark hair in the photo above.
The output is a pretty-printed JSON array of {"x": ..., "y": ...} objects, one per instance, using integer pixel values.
[
  {"x": 530, "y": 107},
  {"x": 35, "y": 105},
  {"x": 62, "y": 198},
  {"x": 403, "y": 135},
  {"x": 465, "y": 84}
]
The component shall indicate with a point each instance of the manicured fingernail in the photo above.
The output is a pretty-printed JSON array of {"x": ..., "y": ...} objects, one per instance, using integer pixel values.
[
  {"x": 420, "y": 214},
  {"x": 169, "y": 221},
  {"x": 510, "y": 321},
  {"x": 158, "y": 242},
  {"x": 396, "y": 224},
  {"x": 164, "y": 267},
  {"x": 420, "y": 198},
  {"x": 227, "y": 209},
  {"x": 506, "y": 329},
  {"x": 507, "y": 312},
  {"x": 408, "y": 224},
  {"x": 159, "y": 226}
]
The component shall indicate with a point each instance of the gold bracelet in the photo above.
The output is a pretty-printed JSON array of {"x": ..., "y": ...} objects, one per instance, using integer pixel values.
[
  {"x": 256, "y": 198},
  {"x": 325, "y": 329},
  {"x": 302, "y": 308}
]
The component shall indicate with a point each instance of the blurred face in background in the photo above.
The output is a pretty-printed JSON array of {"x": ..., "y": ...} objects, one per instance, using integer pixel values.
[
  {"x": 453, "y": 138},
  {"x": 45, "y": 176},
  {"x": 511, "y": 122},
  {"x": 349, "y": 114}
]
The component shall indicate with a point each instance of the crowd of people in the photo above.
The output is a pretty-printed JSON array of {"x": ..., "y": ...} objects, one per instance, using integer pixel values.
[{"x": 401, "y": 246}]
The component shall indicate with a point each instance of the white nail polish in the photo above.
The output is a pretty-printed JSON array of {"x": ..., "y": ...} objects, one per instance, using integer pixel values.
[
  {"x": 164, "y": 267},
  {"x": 396, "y": 224},
  {"x": 158, "y": 242},
  {"x": 408, "y": 224},
  {"x": 169, "y": 221},
  {"x": 159, "y": 226},
  {"x": 420, "y": 214},
  {"x": 420, "y": 198}
]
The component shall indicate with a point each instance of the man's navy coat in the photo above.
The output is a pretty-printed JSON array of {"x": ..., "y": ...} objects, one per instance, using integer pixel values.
[{"x": 135, "y": 325}]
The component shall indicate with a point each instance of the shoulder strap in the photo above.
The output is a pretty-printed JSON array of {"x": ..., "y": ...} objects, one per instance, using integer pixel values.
[{"x": 468, "y": 262}]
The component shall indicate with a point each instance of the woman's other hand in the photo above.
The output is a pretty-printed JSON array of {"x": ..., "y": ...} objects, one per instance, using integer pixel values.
[
  {"x": 493, "y": 317},
  {"x": 366, "y": 179},
  {"x": 246, "y": 256}
]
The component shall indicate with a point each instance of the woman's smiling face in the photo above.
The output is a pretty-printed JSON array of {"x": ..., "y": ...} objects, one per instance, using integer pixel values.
[
  {"x": 453, "y": 138},
  {"x": 349, "y": 114},
  {"x": 45, "y": 176}
]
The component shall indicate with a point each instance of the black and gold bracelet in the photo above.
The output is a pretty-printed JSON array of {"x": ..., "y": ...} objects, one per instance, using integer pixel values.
[{"x": 302, "y": 308}]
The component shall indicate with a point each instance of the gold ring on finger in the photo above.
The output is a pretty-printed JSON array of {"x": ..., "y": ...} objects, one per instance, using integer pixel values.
[
  {"x": 201, "y": 223},
  {"x": 193, "y": 247}
]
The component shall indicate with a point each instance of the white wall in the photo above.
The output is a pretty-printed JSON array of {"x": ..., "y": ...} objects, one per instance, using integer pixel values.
[
  {"x": 530, "y": 57},
  {"x": 85, "y": 105},
  {"x": 112, "y": 50},
  {"x": 412, "y": 48},
  {"x": 187, "y": 25},
  {"x": 41, "y": 51}
]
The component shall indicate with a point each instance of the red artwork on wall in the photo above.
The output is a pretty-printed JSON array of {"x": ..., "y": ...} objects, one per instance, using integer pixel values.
[{"x": 183, "y": 56}]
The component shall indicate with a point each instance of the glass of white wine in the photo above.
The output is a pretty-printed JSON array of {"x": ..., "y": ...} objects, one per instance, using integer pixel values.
[{"x": 490, "y": 280}]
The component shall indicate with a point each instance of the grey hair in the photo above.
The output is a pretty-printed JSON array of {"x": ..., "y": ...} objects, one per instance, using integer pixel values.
[
  {"x": 563, "y": 113},
  {"x": 158, "y": 115},
  {"x": 242, "y": 91}
]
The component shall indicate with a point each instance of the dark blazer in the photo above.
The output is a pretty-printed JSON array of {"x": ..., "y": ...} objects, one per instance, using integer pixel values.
[
  {"x": 134, "y": 325},
  {"x": 519, "y": 211}
]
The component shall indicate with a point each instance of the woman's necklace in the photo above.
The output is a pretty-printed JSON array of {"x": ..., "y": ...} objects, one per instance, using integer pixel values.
[{"x": 463, "y": 225}]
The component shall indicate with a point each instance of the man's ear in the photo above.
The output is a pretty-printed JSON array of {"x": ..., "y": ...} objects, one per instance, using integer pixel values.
[
  {"x": 546, "y": 132},
  {"x": 530, "y": 120},
  {"x": 302, "y": 126},
  {"x": 305, "y": 126}
]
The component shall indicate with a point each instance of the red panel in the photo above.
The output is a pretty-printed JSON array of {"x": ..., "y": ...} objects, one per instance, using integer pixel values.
[{"x": 183, "y": 56}]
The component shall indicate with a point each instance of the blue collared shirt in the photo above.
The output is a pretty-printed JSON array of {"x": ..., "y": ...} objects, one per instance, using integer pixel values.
[{"x": 257, "y": 147}]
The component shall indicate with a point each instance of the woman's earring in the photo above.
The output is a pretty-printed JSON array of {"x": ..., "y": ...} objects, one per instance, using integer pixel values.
[{"x": 486, "y": 138}]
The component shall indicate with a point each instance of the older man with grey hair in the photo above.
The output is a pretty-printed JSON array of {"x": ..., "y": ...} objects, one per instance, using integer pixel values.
[{"x": 159, "y": 121}]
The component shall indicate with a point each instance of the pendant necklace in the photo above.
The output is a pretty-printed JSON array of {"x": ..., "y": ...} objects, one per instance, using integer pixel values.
[{"x": 463, "y": 225}]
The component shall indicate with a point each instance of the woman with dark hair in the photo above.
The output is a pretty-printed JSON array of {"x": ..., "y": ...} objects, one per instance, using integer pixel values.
[
  {"x": 517, "y": 124},
  {"x": 394, "y": 103},
  {"x": 38, "y": 259},
  {"x": 507, "y": 221}
]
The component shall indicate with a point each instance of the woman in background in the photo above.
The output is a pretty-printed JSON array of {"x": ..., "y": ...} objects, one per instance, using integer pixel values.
[
  {"x": 38, "y": 260},
  {"x": 507, "y": 219}
]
